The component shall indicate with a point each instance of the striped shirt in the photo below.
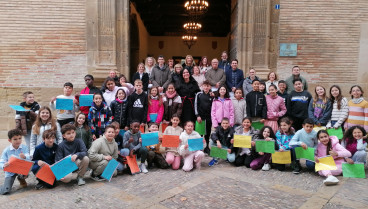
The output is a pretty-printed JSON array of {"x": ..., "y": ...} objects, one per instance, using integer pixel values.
[
  {"x": 339, "y": 115},
  {"x": 358, "y": 115}
]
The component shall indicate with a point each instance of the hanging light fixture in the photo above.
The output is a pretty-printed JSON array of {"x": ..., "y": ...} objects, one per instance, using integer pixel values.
[
  {"x": 196, "y": 8},
  {"x": 189, "y": 40},
  {"x": 192, "y": 27}
]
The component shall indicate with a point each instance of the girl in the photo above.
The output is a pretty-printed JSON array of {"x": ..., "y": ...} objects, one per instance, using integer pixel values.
[
  {"x": 199, "y": 77},
  {"x": 190, "y": 156},
  {"x": 358, "y": 109},
  {"x": 129, "y": 88},
  {"x": 240, "y": 107},
  {"x": 283, "y": 138},
  {"x": 204, "y": 65},
  {"x": 119, "y": 108},
  {"x": 141, "y": 75},
  {"x": 244, "y": 156},
  {"x": 110, "y": 91},
  {"x": 262, "y": 87},
  {"x": 340, "y": 108},
  {"x": 82, "y": 130},
  {"x": 329, "y": 145},
  {"x": 99, "y": 116},
  {"x": 275, "y": 108},
  {"x": 172, "y": 103},
  {"x": 320, "y": 107},
  {"x": 272, "y": 79},
  {"x": 172, "y": 155},
  {"x": 44, "y": 121},
  {"x": 155, "y": 105},
  {"x": 262, "y": 160},
  {"x": 222, "y": 107},
  {"x": 354, "y": 141}
]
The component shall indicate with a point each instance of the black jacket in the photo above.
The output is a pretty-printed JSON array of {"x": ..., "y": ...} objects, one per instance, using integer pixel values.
[
  {"x": 119, "y": 111},
  {"x": 145, "y": 80},
  {"x": 137, "y": 107},
  {"x": 202, "y": 105},
  {"x": 256, "y": 104},
  {"x": 224, "y": 136}
]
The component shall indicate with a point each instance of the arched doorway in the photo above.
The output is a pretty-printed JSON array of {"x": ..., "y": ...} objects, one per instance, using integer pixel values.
[{"x": 134, "y": 45}]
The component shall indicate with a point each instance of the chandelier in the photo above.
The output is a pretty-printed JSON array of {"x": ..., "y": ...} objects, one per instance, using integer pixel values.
[
  {"x": 196, "y": 7},
  {"x": 189, "y": 40},
  {"x": 192, "y": 27}
]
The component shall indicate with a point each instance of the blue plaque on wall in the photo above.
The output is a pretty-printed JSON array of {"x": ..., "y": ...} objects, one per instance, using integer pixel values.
[{"x": 288, "y": 50}]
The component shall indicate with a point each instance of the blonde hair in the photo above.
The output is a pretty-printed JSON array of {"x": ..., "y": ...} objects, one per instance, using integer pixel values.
[
  {"x": 146, "y": 61},
  {"x": 189, "y": 56}
]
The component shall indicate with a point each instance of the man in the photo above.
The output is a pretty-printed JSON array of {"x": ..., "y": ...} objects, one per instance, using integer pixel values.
[
  {"x": 160, "y": 74},
  {"x": 215, "y": 76},
  {"x": 295, "y": 75},
  {"x": 224, "y": 63},
  {"x": 234, "y": 77},
  {"x": 247, "y": 84}
]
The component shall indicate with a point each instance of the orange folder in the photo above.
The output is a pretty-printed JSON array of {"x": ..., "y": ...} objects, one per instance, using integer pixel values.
[
  {"x": 132, "y": 162},
  {"x": 163, "y": 127},
  {"x": 45, "y": 174},
  {"x": 170, "y": 141},
  {"x": 141, "y": 128},
  {"x": 19, "y": 165}
]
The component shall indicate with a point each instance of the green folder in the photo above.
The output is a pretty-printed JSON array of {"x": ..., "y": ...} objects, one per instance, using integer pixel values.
[
  {"x": 257, "y": 125},
  {"x": 201, "y": 127},
  {"x": 265, "y": 146},
  {"x": 335, "y": 132},
  {"x": 355, "y": 170},
  {"x": 218, "y": 152},
  {"x": 307, "y": 154}
]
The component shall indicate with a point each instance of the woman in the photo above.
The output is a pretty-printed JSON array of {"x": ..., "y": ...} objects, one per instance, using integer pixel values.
[
  {"x": 198, "y": 76},
  {"x": 150, "y": 62},
  {"x": 175, "y": 76},
  {"x": 189, "y": 63},
  {"x": 204, "y": 65},
  {"x": 271, "y": 79}
]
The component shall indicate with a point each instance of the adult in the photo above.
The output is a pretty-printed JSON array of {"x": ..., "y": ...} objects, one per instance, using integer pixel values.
[
  {"x": 141, "y": 75},
  {"x": 295, "y": 75},
  {"x": 234, "y": 77},
  {"x": 149, "y": 63},
  {"x": 204, "y": 65},
  {"x": 170, "y": 63},
  {"x": 247, "y": 84},
  {"x": 187, "y": 90},
  {"x": 224, "y": 63},
  {"x": 198, "y": 76},
  {"x": 160, "y": 75},
  {"x": 215, "y": 76},
  {"x": 271, "y": 79},
  {"x": 176, "y": 76},
  {"x": 189, "y": 63},
  {"x": 90, "y": 89}
]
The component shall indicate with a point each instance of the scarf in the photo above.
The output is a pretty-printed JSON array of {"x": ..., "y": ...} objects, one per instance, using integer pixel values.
[
  {"x": 357, "y": 101},
  {"x": 121, "y": 101},
  {"x": 170, "y": 96},
  {"x": 154, "y": 97}
]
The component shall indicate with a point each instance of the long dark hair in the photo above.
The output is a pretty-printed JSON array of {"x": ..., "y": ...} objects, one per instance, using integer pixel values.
[
  {"x": 339, "y": 97},
  {"x": 349, "y": 133},
  {"x": 217, "y": 93},
  {"x": 329, "y": 145},
  {"x": 272, "y": 134}
]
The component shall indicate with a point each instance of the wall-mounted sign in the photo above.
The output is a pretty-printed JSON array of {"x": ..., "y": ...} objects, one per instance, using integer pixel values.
[{"x": 288, "y": 49}]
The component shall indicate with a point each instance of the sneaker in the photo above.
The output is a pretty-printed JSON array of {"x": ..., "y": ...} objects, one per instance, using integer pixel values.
[
  {"x": 81, "y": 181},
  {"x": 266, "y": 167},
  {"x": 296, "y": 168},
  {"x": 213, "y": 162},
  {"x": 331, "y": 180},
  {"x": 96, "y": 178},
  {"x": 88, "y": 173},
  {"x": 207, "y": 151},
  {"x": 39, "y": 185},
  {"x": 22, "y": 182},
  {"x": 143, "y": 168}
]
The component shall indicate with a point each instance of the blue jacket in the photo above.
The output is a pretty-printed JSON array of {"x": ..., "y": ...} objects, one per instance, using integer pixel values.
[
  {"x": 44, "y": 153},
  {"x": 237, "y": 82}
]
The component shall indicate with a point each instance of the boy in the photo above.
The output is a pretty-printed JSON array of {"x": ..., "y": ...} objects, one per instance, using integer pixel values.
[
  {"x": 223, "y": 138},
  {"x": 65, "y": 116},
  {"x": 76, "y": 148},
  {"x": 18, "y": 149},
  {"x": 155, "y": 151},
  {"x": 90, "y": 89},
  {"x": 297, "y": 104},
  {"x": 202, "y": 108},
  {"x": 24, "y": 120},
  {"x": 133, "y": 145},
  {"x": 138, "y": 104},
  {"x": 282, "y": 90},
  {"x": 45, "y": 154},
  {"x": 306, "y": 137},
  {"x": 256, "y": 103}
]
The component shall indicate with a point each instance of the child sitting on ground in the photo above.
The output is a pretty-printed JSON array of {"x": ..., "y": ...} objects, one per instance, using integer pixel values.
[
  {"x": 172, "y": 155},
  {"x": 155, "y": 151}
]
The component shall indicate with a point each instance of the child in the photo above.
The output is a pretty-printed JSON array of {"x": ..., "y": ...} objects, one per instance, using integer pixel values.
[
  {"x": 320, "y": 107},
  {"x": 240, "y": 107},
  {"x": 283, "y": 138},
  {"x": 155, "y": 151},
  {"x": 76, "y": 148},
  {"x": 282, "y": 90},
  {"x": 25, "y": 119},
  {"x": 119, "y": 108},
  {"x": 133, "y": 145},
  {"x": 223, "y": 138},
  {"x": 190, "y": 156},
  {"x": 99, "y": 116},
  {"x": 45, "y": 154},
  {"x": 262, "y": 160},
  {"x": 155, "y": 105},
  {"x": 101, "y": 152},
  {"x": 244, "y": 155},
  {"x": 172, "y": 103},
  {"x": 138, "y": 105},
  {"x": 18, "y": 149},
  {"x": 340, "y": 108},
  {"x": 329, "y": 145},
  {"x": 128, "y": 87},
  {"x": 358, "y": 108},
  {"x": 202, "y": 110},
  {"x": 306, "y": 137},
  {"x": 275, "y": 108},
  {"x": 110, "y": 92},
  {"x": 65, "y": 116},
  {"x": 222, "y": 106},
  {"x": 262, "y": 88},
  {"x": 172, "y": 155},
  {"x": 141, "y": 75},
  {"x": 44, "y": 121},
  {"x": 355, "y": 143},
  {"x": 82, "y": 129},
  {"x": 90, "y": 89},
  {"x": 256, "y": 103}
]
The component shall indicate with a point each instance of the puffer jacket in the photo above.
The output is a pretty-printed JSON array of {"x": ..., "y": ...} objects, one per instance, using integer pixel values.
[
  {"x": 224, "y": 136},
  {"x": 119, "y": 112},
  {"x": 220, "y": 110}
]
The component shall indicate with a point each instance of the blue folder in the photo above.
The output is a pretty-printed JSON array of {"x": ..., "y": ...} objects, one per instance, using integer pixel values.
[
  {"x": 85, "y": 100},
  {"x": 64, "y": 104},
  {"x": 195, "y": 144},
  {"x": 18, "y": 108},
  {"x": 149, "y": 139},
  {"x": 153, "y": 117},
  {"x": 110, "y": 169},
  {"x": 63, "y": 167}
]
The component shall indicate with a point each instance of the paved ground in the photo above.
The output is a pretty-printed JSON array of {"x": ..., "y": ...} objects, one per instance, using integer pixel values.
[{"x": 222, "y": 186}]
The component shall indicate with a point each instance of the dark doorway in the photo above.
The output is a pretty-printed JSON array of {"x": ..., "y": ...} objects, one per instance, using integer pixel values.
[{"x": 134, "y": 45}]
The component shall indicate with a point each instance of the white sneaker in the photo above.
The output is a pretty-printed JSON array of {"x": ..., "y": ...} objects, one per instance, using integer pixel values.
[
  {"x": 331, "y": 180},
  {"x": 266, "y": 167},
  {"x": 143, "y": 168},
  {"x": 88, "y": 173}
]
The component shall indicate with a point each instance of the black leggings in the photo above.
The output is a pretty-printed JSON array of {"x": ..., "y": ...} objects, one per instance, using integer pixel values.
[{"x": 244, "y": 160}]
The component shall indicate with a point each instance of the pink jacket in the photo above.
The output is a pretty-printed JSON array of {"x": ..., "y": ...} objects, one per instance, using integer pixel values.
[
  {"x": 155, "y": 108},
  {"x": 336, "y": 146},
  {"x": 220, "y": 110},
  {"x": 275, "y": 107}
]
